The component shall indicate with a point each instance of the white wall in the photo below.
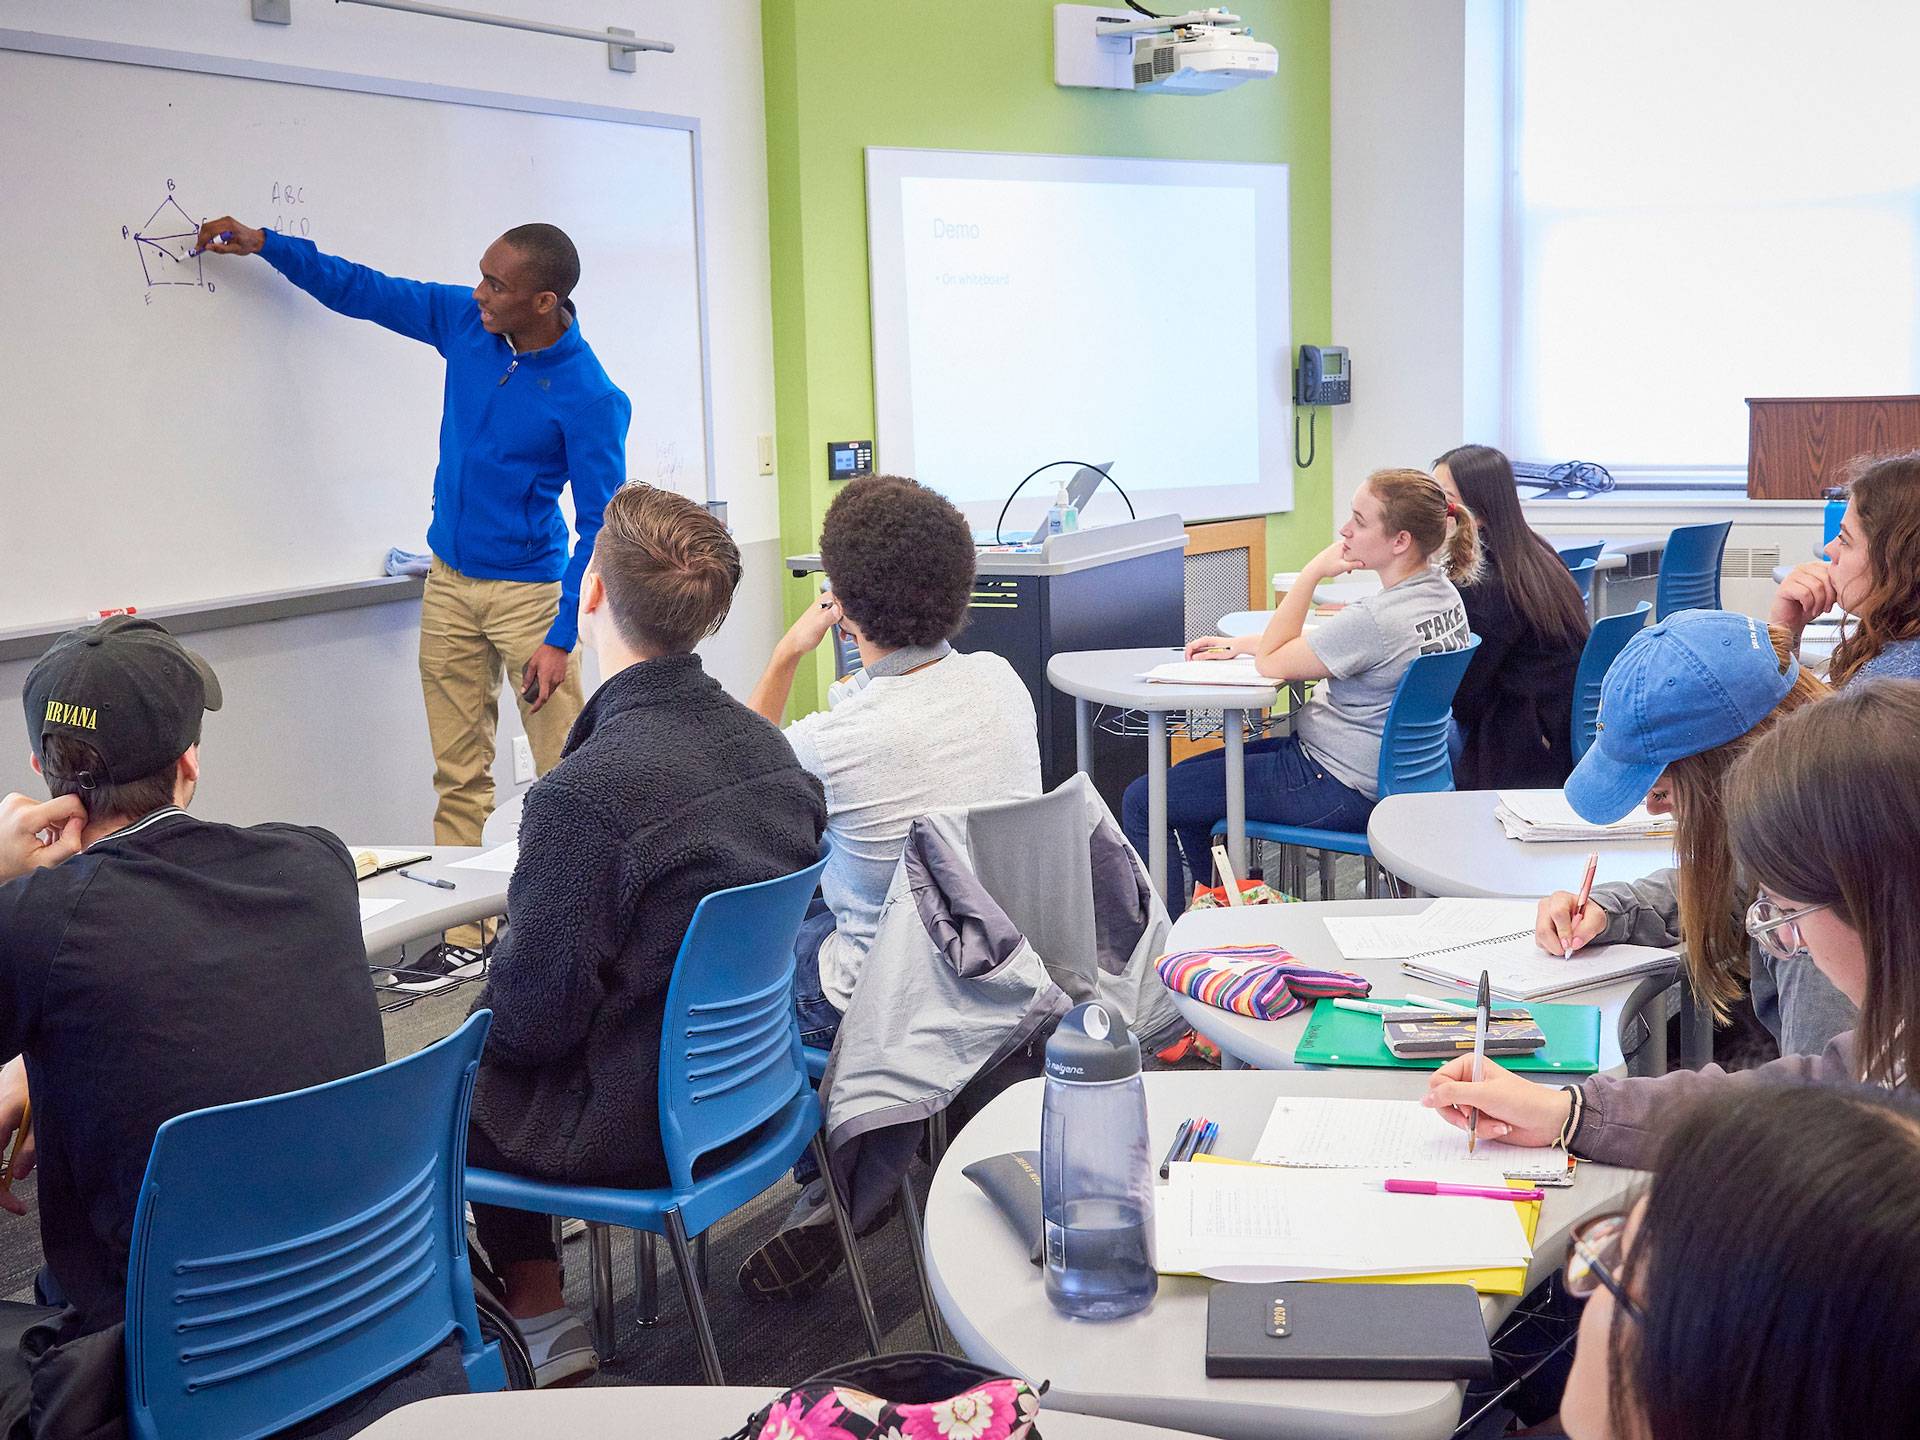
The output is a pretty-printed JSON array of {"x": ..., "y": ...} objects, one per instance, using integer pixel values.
[
  {"x": 332, "y": 702},
  {"x": 1399, "y": 254}
]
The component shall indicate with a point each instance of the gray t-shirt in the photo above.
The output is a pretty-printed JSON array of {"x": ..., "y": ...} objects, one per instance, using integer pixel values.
[
  {"x": 956, "y": 733},
  {"x": 1366, "y": 648}
]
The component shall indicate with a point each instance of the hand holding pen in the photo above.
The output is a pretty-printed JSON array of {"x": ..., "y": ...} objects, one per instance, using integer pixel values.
[
  {"x": 1481, "y": 1003},
  {"x": 1580, "y": 900}
]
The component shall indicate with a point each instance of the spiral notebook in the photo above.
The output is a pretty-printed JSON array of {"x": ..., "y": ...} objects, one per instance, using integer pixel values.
[{"x": 1517, "y": 969}]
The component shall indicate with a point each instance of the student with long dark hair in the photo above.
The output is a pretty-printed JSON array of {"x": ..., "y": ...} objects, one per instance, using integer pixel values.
[
  {"x": 1872, "y": 571},
  {"x": 1765, "y": 1285},
  {"x": 1824, "y": 814},
  {"x": 1515, "y": 704}
]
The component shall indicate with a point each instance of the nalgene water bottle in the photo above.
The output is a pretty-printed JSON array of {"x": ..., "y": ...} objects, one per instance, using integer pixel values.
[{"x": 1096, "y": 1182}]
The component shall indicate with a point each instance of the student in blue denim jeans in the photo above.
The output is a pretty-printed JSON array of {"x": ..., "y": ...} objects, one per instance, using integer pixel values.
[{"x": 1325, "y": 774}]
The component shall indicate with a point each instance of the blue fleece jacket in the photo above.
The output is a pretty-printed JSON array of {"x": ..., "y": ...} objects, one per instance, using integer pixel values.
[{"x": 515, "y": 430}]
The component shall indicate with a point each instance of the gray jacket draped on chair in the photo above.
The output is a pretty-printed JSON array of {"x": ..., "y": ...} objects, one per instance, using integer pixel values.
[{"x": 954, "y": 984}]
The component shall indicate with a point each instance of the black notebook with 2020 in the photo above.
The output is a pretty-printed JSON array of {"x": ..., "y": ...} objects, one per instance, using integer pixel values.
[{"x": 1304, "y": 1330}]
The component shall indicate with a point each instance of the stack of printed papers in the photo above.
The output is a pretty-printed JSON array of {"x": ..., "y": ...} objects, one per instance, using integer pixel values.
[
  {"x": 1240, "y": 670},
  {"x": 1256, "y": 1223},
  {"x": 1546, "y": 815}
]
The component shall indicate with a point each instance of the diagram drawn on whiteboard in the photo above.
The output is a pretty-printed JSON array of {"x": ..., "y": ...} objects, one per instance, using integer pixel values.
[{"x": 164, "y": 245}]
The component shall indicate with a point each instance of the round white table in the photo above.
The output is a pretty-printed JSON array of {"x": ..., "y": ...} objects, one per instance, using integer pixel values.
[
  {"x": 423, "y": 910},
  {"x": 1448, "y": 843},
  {"x": 1151, "y": 1367},
  {"x": 635, "y": 1412},
  {"x": 1112, "y": 677},
  {"x": 1269, "y": 1044}
]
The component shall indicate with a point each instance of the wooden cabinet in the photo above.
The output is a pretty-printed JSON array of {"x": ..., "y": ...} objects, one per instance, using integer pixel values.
[{"x": 1798, "y": 447}]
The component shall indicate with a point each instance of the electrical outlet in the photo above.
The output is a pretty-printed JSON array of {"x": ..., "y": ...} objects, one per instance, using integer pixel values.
[
  {"x": 763, "y": 447},
  {"x": 522, "y": 761}
]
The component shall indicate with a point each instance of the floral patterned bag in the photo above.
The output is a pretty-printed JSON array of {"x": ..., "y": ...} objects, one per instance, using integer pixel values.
[{"x": 909, "y": 1396}]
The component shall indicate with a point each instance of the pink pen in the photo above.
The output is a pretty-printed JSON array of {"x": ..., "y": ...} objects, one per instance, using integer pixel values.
[{"x": 1477, "y": 1192}]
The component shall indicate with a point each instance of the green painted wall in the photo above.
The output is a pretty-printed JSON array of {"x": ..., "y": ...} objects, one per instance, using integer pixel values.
[{"x": 978, "y": 75}]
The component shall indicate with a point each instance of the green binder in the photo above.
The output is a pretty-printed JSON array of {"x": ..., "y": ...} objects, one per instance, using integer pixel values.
[{"x": 1351, "y": 1037}]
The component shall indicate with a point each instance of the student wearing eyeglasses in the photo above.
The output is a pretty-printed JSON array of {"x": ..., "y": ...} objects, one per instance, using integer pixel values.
[
  {"x": 1765, "y": 1284},
  {"x": 1681, "y": 704},
  {"x": 1823, "y": 813}
]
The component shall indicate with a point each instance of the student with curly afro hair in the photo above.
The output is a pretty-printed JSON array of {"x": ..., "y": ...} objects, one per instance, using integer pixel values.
[{"x": 920, "y": 726}]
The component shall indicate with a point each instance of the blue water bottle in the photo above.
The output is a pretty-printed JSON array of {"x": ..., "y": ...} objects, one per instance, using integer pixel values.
[{"x": 1096, "y": 1180}]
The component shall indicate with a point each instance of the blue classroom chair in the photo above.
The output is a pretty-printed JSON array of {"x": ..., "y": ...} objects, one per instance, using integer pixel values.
[
  {"x": 292, "y": 1251},
  {"x": 1573, "y": 556},
  {"x": 1690, "y": 569},
  {"x": 1413, "y": 756},
  {"x": 730, "y": 1067},
  {"x": 1583, "y": 577},
  {"x": 1604, "y": 643}
]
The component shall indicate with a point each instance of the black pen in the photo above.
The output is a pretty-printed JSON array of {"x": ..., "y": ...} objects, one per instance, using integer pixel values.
[
  {"x": 429, "y": 880},
  {"x": 1193, "y": 1138},
  {"x": 1179, "y": 1140}
]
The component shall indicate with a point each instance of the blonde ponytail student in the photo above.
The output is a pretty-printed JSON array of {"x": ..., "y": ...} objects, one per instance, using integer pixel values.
[{"x": 1405, "y": 528}]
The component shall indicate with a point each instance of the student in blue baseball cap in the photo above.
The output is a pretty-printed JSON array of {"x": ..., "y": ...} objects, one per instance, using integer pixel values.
[{"x": 1681, "y": 704}]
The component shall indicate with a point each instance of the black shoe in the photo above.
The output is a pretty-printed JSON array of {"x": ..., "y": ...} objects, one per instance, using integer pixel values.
[
  {"x": 440, "y": 967},
  {"x": 792, "y": 1265}
]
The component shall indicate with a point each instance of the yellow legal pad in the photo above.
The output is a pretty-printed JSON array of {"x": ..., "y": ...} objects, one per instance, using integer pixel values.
[{"x": 1508, "y": 1280}]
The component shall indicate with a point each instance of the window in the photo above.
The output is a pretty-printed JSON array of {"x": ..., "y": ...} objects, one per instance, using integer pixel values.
[{"x": 1709, "y": 200}]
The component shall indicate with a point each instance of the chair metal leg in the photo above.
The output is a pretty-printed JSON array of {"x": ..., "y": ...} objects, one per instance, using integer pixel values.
[
  {"x": 600, "y": 1274},
  {"x": 936, "y": 1138},
  {"x": 696, "y": 1300},
  {"x": 1373, "y": 877},
  {"x": 855, "y": 1268},
  {"x": 916, "y": 1240},
  {"x": 700, "y": 1258},
  {"x": 646, "y": 1279},
  {"x": 1326, "y": 874}
]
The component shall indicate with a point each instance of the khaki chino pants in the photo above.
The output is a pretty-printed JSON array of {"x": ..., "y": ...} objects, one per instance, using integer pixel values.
[{"x": 471, "y": 631}]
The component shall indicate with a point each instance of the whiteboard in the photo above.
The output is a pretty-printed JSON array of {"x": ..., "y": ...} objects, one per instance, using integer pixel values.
[{"x": 176, "y": 431}]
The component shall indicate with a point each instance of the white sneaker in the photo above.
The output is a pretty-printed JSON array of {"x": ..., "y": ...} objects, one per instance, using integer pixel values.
[{"x": 559, "y": 1346}]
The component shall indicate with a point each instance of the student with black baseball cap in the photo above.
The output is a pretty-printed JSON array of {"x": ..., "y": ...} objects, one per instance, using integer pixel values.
[{"x": 151, "y": 963}]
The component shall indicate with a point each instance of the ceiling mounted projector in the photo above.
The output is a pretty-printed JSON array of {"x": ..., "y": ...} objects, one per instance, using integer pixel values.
[{"x": 1197, "y": 53}]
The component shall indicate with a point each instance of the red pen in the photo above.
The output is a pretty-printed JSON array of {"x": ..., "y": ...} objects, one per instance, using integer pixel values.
[
  {"x": 1476, "y": 1192},
  {"x": 1580, "y": 900}
]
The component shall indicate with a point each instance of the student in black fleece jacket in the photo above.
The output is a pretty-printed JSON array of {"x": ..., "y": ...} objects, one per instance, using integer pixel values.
[{"x": 667, "y": 791}]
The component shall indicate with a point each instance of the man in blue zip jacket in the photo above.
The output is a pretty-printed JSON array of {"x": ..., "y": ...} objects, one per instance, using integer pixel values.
[{"x": 527, "y": 411}]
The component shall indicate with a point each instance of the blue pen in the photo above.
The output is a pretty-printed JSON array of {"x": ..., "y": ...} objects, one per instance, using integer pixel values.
[{"x": 1207, "y": 1137}]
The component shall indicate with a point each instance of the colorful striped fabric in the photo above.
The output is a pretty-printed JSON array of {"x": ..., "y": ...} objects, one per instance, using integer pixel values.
[{"x": 1263, "y": 982}]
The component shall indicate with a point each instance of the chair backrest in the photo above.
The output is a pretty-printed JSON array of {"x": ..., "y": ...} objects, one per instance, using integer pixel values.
[
  {"x": 1690, "y": 569},
  {"x": 291, "y": 1251},
  {"x": 1583, "y": 577},
  {"x": 1033, "y": 858},
  {"x": 1574, "y": 556},
  {"x": 730, "y": 1043},
  {"x": 1604, "y": 643},
  {"x": 1413, "y": 743}
]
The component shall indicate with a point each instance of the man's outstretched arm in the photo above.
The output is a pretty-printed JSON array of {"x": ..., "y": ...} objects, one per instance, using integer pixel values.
[{"x": 413, "y": 308}]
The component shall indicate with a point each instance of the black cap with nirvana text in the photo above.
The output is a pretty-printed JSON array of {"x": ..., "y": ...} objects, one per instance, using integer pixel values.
[{"x": 127, "y": 688}]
